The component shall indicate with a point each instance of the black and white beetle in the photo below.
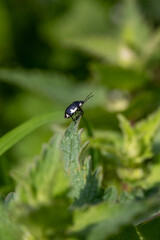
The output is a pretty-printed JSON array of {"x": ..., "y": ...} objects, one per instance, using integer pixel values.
[{"x": 75, "y": 107}]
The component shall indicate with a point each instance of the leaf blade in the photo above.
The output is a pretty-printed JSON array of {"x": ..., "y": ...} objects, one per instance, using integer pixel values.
[{"x": 18, "y": 133}]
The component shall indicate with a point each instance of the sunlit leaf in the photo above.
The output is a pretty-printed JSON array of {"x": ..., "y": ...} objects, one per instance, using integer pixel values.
[
  {"x": 9, "y": 230},
  {"x": 45, "y": 178},
  {"x": 85, "y": 184}
]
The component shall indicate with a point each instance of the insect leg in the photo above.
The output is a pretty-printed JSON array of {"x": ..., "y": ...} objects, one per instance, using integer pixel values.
[
  {"x": 81, "y": 111},
  {"x": 74, "y": 119}
]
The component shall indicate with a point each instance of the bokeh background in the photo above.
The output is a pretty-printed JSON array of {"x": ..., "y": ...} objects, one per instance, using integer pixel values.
[{"x": 53, "y": 52}]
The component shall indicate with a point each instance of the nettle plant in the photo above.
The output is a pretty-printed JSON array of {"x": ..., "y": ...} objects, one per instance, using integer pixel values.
[
  {"x": 62, "y": 197},
  {"x": 133, "y": 149}
]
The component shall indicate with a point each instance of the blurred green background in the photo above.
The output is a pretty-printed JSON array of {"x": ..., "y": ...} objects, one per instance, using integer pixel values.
[{"x": 53, "y": 52}]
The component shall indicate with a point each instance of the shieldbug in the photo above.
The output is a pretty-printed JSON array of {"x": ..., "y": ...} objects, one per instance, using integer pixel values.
[{"x": 75, "y": 108}]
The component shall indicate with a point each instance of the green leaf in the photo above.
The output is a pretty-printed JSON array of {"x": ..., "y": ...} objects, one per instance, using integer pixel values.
[
  {"x": 137, "y": 145},
  {"x": 48, "y": 84},
  {"x": 130, "y": 150},
  {"x": 151, "y": 48},
  {"x": 46, "y": 221},
  {"x": 131, "y": 146},
  {"x": 102, "y": 47},
  {"x": 103, "y": 220},
  {"x": 46, "y": 177},
  {"x": 114, "y": 77},
  {"x": 127, "y": 131},
  {"x": 91, "y": 193},
  {"x": 150, "y": 229},
  {"x": 42, "y": 204},
  {"x": 71, "y": 147},
  {"x": 126, "y": 233},
  {"x": 52, "y": 85},
  {"x": 138, "y": 139},
  {"x": 125, "y": 197},
  {"x": 134, "y": 30},
  {"x": 9, "y": 230},
  {"x": 153, "y": 177},
  {"x": 147, "y": 127},
  {"x": 85, "y": 184},
  {"x": 78, "y": 21},
  {"x": 15, "y": 135},
  {"x": 110, "y": 194}
]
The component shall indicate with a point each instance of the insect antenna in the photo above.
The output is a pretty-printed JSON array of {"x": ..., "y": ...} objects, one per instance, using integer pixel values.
[{"x": 88, "y": 97}]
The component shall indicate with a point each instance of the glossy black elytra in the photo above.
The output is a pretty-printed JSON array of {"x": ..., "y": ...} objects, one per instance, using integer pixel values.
[{"x": 75, "y": 108}]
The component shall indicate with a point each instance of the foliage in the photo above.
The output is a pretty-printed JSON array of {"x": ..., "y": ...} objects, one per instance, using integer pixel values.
[
  {"x": 47, "y": 198},
  {"x": 85, "y": 184},
  {"x": 97, "y": 178},
  {"x": 20, "y": 132}
]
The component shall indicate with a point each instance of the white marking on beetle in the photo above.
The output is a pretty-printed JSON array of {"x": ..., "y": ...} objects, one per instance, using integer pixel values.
[
  {"x": 80, "y": 104},
  {"x": 67, "y": 115},
  {"x": 73, "y": 110}
]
